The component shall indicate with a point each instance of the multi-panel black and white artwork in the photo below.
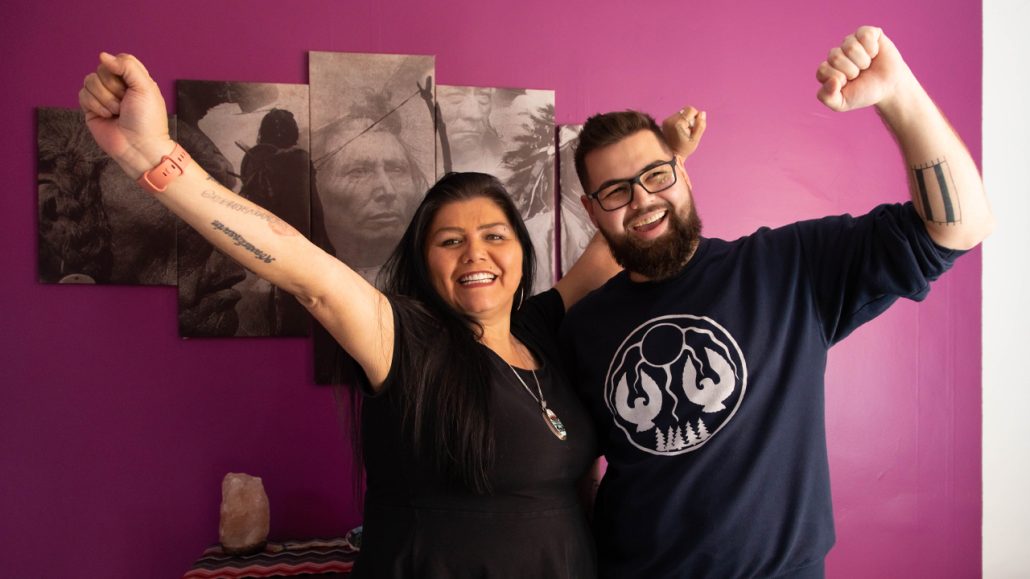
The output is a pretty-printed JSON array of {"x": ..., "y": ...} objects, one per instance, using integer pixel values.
[{"x": 345, "y": 159}]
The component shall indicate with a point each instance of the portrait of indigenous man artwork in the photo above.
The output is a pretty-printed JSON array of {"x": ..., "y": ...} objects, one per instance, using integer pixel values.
[
  {"x": 257, "y": 139},
  {"x": 373, "y": 150},
  {"x": 576, "y": 228},
  {"x": 508, "y": 133},
  {"x": 95, "y": 225}
]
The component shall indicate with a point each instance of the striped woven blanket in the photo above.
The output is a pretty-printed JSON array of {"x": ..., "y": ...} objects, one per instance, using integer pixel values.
[{"x": 326, "y": 557}]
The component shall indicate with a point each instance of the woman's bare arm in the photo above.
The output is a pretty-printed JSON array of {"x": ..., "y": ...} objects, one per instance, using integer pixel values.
[{"x": 126, "y": 114}]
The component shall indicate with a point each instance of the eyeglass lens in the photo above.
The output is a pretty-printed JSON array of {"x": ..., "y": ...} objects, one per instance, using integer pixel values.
[{"x": 653, "y": 179}]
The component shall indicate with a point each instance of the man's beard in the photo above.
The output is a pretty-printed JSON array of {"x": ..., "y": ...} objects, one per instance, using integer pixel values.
[{"x": 661, "y": 258}]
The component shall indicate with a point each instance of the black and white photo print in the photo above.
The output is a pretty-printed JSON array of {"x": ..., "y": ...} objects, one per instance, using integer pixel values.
[
  {"x": 254, "y": 139},
  {"x": 373, "y": 150},
  {"x": 372, "y": 147},
  {"x": 508, "y": 133},
  {"x": 96, "y": 225},
  {"x": 576, "y": 228}
]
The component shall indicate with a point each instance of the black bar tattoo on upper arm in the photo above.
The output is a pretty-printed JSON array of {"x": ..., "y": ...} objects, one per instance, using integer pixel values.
[{"x": 936, "y": 191}]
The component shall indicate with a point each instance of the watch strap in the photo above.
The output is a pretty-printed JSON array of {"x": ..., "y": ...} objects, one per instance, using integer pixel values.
[{"x": 171, "y": 166}]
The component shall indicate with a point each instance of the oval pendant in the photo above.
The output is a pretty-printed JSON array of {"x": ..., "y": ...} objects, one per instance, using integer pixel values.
[{"x": 555, "y": 424}]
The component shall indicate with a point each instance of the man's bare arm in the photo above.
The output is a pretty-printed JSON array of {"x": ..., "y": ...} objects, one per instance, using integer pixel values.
[{"x": 946, "y": 188}]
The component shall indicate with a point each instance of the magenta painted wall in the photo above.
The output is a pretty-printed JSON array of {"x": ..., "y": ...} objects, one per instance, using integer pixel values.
[{"x": 114, "y": 433}]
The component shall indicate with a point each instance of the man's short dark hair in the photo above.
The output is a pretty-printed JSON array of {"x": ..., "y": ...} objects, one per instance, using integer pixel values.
[{"x": 607, "y": 129}]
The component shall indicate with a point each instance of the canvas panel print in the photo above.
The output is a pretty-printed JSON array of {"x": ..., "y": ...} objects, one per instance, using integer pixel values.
[
  {"x": 508, "y": 133},
  {"x": 373, "y": 151},
  {"x": 576, "y": 228},
  {"x": 95, "y": 223},
  {"x": 253, "y": 138}
]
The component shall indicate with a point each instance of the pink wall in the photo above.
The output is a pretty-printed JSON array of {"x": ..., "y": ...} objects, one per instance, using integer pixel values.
[{"x": 114, "y": 434}]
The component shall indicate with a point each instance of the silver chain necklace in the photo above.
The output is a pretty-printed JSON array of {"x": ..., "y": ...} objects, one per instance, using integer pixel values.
[{"x": 550, "y": 418}]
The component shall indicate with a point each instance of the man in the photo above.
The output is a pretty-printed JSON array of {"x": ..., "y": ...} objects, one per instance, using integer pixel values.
[
  {"x": 206, "y": 277},
  {"x": 369, "y": 185},
  {"x": 474, "y": 142},
  {"x": 274, "y": 174},
  {"x": 703, "y": 363}
]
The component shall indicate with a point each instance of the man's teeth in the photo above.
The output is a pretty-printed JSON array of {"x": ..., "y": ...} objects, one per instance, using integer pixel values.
[
  {"x": 477, "y": 278},
  {"x": 649, "y": 219}
]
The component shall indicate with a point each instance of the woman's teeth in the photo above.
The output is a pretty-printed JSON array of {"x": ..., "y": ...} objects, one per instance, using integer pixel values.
[{"x": 472, "y": 278}]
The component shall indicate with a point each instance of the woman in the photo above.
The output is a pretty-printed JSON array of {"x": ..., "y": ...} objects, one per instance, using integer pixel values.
[
  {"x": 473, "y": 438},
  {"x": 474, "y": 441}
]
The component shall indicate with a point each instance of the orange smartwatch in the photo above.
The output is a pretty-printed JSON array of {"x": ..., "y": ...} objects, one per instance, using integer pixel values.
[{"x": 171, "y": 166}]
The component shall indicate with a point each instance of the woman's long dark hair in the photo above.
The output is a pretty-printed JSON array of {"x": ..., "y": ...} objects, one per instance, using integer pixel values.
[{"x": 445, "y": 401}]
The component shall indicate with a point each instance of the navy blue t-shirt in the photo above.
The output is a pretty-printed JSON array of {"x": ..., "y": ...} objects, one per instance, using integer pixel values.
[{"x": 707, "y": 392}]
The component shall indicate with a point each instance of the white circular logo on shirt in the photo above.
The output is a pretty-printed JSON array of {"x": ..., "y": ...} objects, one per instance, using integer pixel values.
[{"x": 674, "y": 383}]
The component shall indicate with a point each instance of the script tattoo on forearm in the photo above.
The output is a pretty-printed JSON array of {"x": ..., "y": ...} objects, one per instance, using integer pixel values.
[
  {"x": 278, "y": 226},
  {"x": 937, "y": 192},
  {"x": 242, "y": 242}
]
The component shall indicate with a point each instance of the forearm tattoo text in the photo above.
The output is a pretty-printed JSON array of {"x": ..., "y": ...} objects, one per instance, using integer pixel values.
[
  {"x": 242, "y": 242},
  {"x": 277, "y": 225}
]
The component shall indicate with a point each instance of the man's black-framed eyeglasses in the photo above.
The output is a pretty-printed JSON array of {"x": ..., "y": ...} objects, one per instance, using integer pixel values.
[{"x": 656, "y": 177}]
